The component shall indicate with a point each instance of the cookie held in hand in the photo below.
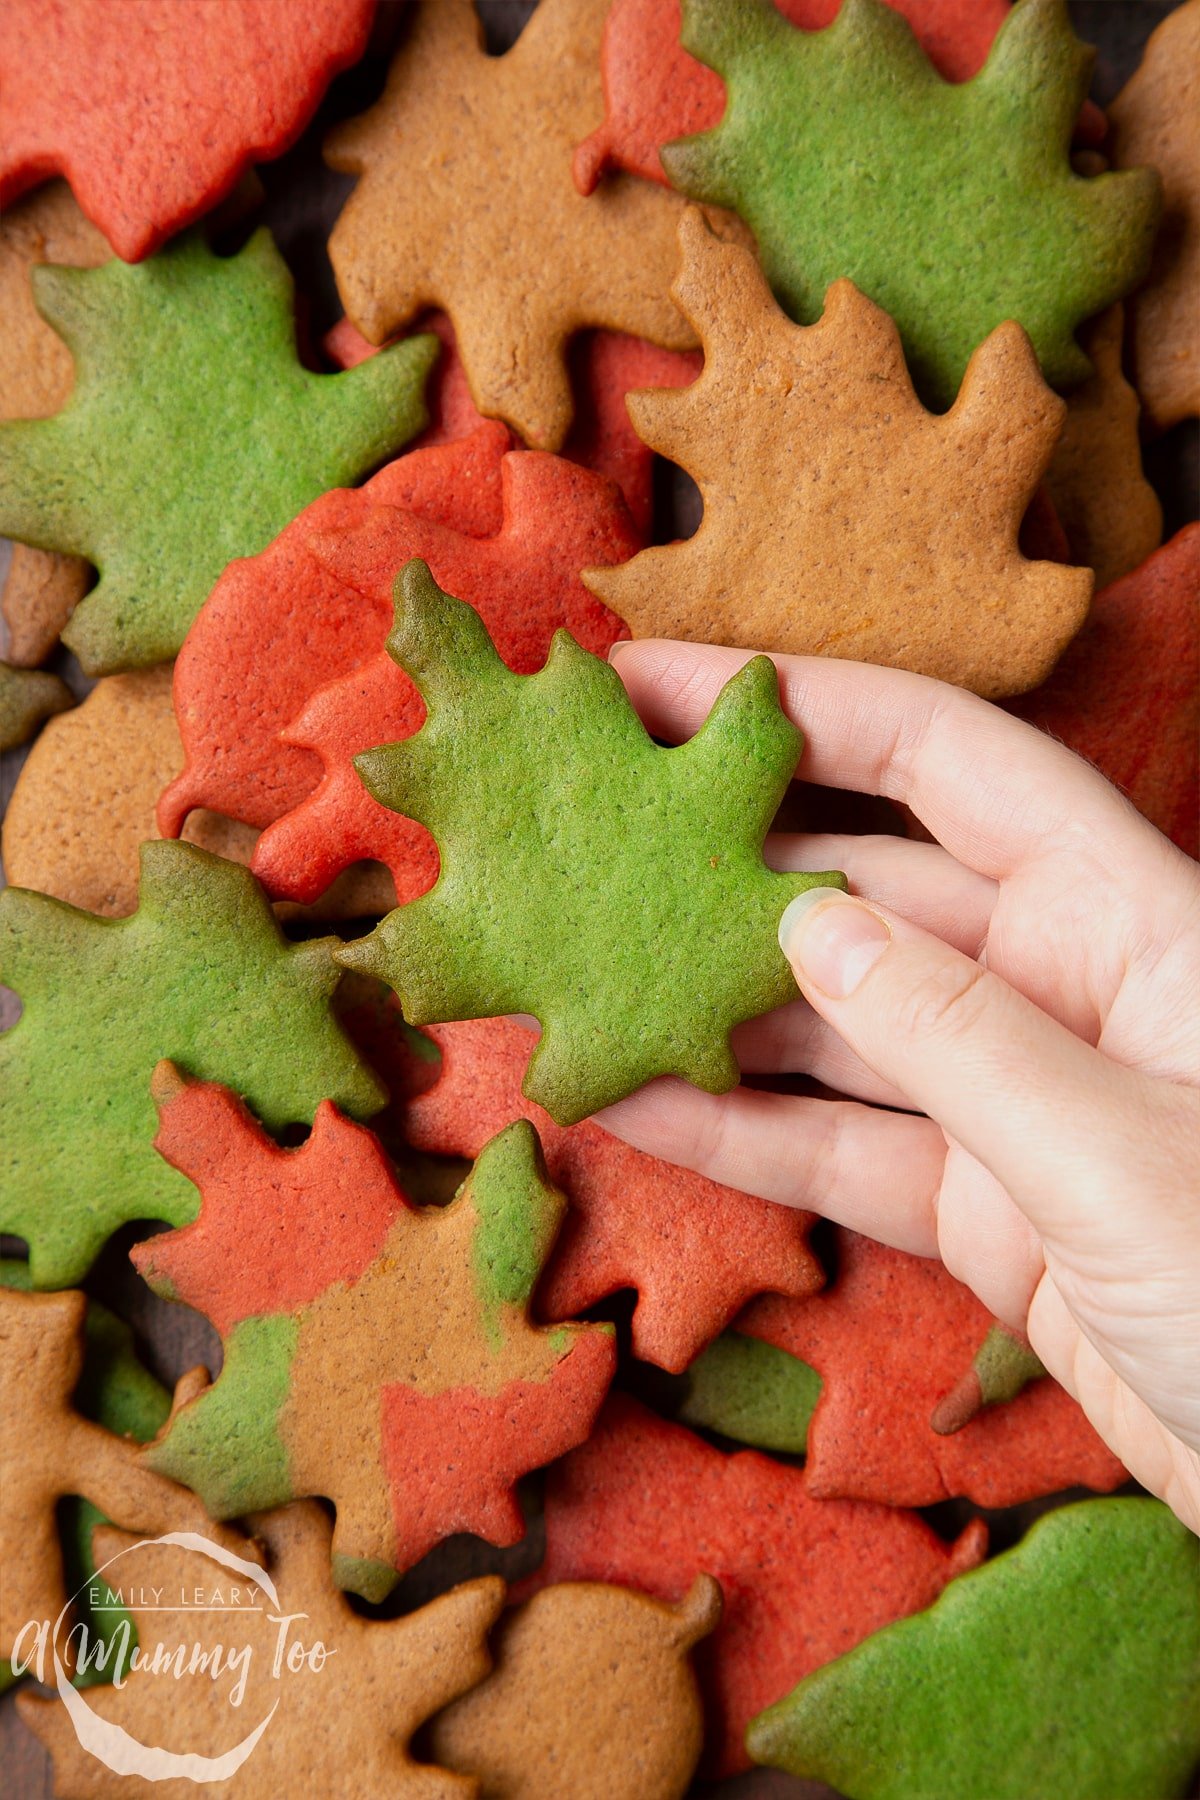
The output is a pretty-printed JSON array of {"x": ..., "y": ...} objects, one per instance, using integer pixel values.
[{"x": 614, "y": 889}]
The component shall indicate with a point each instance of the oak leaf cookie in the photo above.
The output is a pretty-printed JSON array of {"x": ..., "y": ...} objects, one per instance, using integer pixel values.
[
  {"x": 344, "y": 1723},
  {"x": 153, "y": 110},
  {"x": 85, "y": 798},
  {"x": 376, "y": 1354},
  {"x": 48, "y": 1450},
  {"x": 648, "y": 1504},
  {"x": 1156, "y": 119},
  {"x": 654, "y": 91},
  {"x": 892, "y": 1337},
  {"x": 1127, "y": 693},
  {"x": 614, "y": 889},
  {"x": 840, "y": 517},
  {"x": 27, "y": 697},
  {"x": 1069, "y": 1665},
  {"x": 192, "y": 435},
  {"x": 525, "y": 584},
  {"x": 200, "y": 972},
  {"x": 694, "y": 1250},
  {"x": 41, "y": 589},
  {"x": 592, "y": 1696},
  {"x": 1109, "y": 511},
  {"x": 465, "y": 201},
  {"x": 847, "y": 154}
]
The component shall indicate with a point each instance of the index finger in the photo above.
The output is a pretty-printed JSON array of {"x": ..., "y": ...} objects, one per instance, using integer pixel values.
[{"x": 995, "y": 791}]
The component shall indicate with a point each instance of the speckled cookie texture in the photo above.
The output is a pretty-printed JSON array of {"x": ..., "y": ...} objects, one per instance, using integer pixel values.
[
  {"x": 525, "y": 584},
  {"x": 891, "y": 1337},
  {"x": 1110, "y": 513},
  {"x": 694, "y": 1250},
  {"x": 654, "y": 91},
  {"x": 27, "y": 697},
  {"x": 1127, "y": 693},
  {"x": 41, "y": 588},
  {"x": 49, "y": 1450},
  {"x": 85, "y": 799},
  {"x": 650, "y": 1504}
]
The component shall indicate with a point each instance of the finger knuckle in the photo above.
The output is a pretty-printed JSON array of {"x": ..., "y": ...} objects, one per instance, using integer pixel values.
[{"x": 946, "y": 1003}]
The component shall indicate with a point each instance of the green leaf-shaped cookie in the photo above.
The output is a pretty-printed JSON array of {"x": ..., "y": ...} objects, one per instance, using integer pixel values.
[
  {"x": 1069, "y": 1667},
  {"x": 193, "y": 434},
  {"x": 612, "y": 888},
  {"x": 951, "y": 205},
  {"x": 200, "y": 973}
]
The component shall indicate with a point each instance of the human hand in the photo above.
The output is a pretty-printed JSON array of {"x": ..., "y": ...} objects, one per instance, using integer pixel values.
[{"x": 1031, "y": 983}]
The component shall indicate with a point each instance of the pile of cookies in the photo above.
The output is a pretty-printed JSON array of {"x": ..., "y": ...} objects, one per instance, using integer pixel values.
[{"x": 562, "y": 1470}]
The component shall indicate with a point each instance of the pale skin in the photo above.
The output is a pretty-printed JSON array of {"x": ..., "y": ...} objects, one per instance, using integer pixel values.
[{"x": 1013, "y": 1013}]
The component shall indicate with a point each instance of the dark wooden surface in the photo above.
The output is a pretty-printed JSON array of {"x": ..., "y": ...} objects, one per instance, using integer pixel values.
[{"x": 303, "y": 198}]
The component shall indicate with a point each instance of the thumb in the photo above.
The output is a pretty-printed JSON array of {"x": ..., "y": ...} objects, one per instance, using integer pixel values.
[{"x": 1034, "y": 1104}]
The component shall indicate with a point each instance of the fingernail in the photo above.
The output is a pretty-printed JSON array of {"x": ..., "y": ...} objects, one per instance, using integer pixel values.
[
  {"x": 831, "y": 940},
  {"x": 614, "y": 650}
]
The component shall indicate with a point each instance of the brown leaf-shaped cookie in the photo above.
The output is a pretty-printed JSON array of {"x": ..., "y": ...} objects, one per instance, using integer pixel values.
[
  {"x": 1156, "y": 119},
  {"x": 592, "y": 1696},
  {"x": 840, "y": 517},
  {"x": 466, "y": 202}
]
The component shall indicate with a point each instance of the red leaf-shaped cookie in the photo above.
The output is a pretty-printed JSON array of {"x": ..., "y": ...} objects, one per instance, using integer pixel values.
[
  {"x": 524, "y": 582},
  {"x": 604, "y": 366},
  {"x": 654, "y": 91},
  {"x": 153, "y": 109},
  {"x": 650, "y": 1505},
  {"x": 375, "y": 1353},
  {"x": 695, "y": 1251},
  {"x": 890, "y": 1338},
  {"x": 1127, "y": 692}
]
